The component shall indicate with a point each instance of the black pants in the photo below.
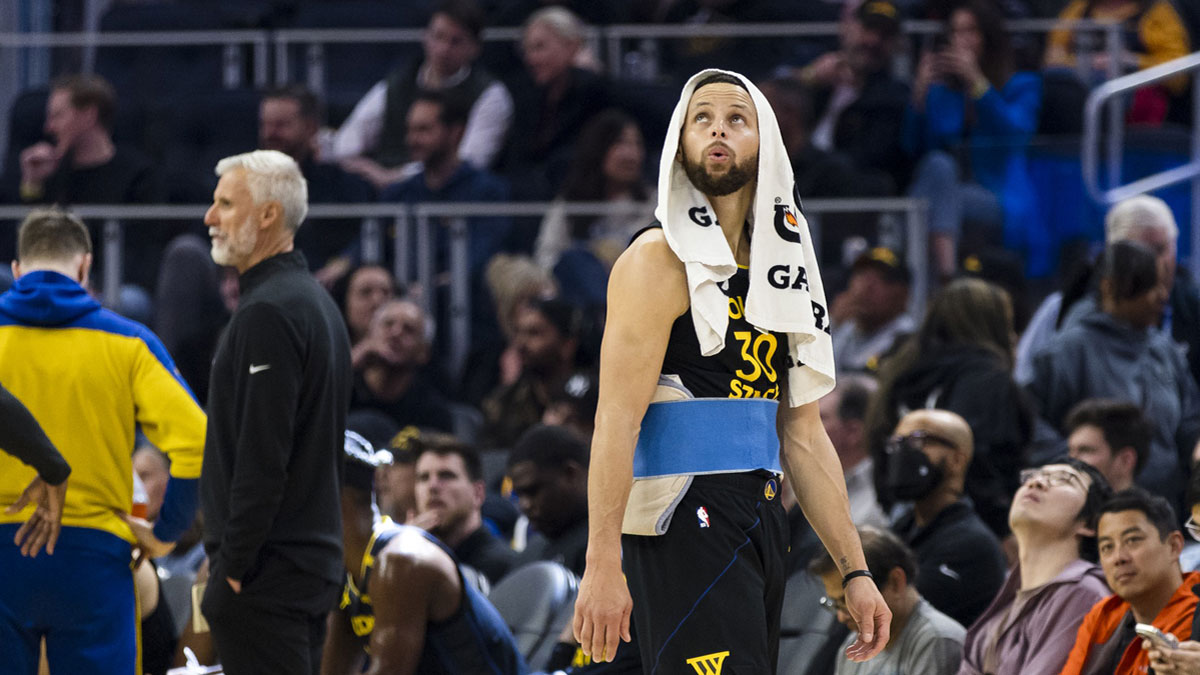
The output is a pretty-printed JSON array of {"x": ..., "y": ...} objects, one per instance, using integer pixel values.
[
  {"x": 275, "y": 625},
  {"x": 707, "y": 595}
]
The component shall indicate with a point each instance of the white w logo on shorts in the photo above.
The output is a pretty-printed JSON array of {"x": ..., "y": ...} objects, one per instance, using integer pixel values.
[{"x": 709, "y": 664}]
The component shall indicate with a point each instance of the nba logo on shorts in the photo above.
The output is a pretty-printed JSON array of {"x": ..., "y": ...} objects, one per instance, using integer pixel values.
[{"x": 702, "y": 514}]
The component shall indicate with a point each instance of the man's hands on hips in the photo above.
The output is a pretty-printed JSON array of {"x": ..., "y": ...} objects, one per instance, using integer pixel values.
[
  {"x": 602, "y": 611},
  {"x": 45, "y": 522},
  {"x": 872, "y": 616}
]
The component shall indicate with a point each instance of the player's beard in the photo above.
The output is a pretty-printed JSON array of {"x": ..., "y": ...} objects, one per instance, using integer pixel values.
[{"x": 734, "y": 179}]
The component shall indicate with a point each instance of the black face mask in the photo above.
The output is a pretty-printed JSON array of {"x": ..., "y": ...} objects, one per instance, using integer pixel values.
[{"x": 911, "y": 475}]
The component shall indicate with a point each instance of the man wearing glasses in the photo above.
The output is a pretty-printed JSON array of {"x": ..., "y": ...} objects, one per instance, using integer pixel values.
[
  {"x": 961, "y": 563},
  {"x": 1030, "y": 627},
  {"x": 923, "y": 640}
]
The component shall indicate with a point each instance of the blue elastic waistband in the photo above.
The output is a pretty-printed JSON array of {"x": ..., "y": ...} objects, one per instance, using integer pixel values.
[{"x": 707, "y": 435}]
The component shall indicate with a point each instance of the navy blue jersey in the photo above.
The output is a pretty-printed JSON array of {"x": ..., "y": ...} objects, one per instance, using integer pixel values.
[{"x": 475, "y": 641}]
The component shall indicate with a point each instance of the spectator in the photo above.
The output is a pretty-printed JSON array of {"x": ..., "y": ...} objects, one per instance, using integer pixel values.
[
  {"x": 435, "y": 130},
  {"x": 1031, "y": 624},
  {"x": 969, "y": 97},
  {"x": 396, "y": 486},
  {"x": 388, "y": 369},
  {"x": 288, "y": 121},
  {"x": 860, "y": 104},
  {"x": 548, "y": 467},
  {"x": 279, "y": 391},
  {"x": 961, "y": 563},
  {"x": 874, "y": 311},
  {"x": 83, "y": 165},
  {"x": 153, "y": 468},
  {"x": 1186, "y": 659},
  {"x": 1147, "y": 220},
  {"x": 1139, "y": 543},
  {"x": 450, "y": 494},
  {"x": 923, "y": 640},
  {"x": 90, "y": 378},
  {"x": 1112, "y": 436},
  {"x": 552, "y": 100},
  {"x": 574, "y": 406},
  {"x": 819, "y": 173},
  {"x": 1155, "y": 33},
  {"x": 963, "y": 347},
  {"x": 612, "y": 143},
  {"x": 359, "y": 294},
  {"x": 189, "y": 309},
  {"x": 842, "y": 412},
  {"x": 1112, "y": 351},
  {"x": 546, "y": 338},
  {"x": 406, "y": 607},
  {"x": 372, "y": 141}
]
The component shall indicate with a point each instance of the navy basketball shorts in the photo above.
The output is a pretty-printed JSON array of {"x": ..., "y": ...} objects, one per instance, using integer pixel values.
[{"x": 707, "y": 595}]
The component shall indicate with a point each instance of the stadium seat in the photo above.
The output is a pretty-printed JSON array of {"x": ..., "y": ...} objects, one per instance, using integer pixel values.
[
  {"x": 809, "y": 634},
  {"x": 536, "y": 601},
  {"x": 177, "y": 589},
  {"x": 204, "y": 129}
]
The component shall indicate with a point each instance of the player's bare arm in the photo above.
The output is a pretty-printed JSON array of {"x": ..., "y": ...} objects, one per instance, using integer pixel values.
[
  {"x": 812, "y": 466},
  {"x": 646, "y": 293}
]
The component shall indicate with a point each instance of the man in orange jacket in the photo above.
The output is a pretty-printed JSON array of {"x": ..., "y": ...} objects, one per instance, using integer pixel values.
[{"x": 1139, "y": 542}]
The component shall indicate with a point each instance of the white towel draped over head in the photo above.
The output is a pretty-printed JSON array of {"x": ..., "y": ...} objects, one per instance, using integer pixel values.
[{"x": 786, "y": 294}]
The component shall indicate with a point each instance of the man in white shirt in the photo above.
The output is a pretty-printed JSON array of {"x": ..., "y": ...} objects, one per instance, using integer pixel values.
[{"x": 371, "y": 141}]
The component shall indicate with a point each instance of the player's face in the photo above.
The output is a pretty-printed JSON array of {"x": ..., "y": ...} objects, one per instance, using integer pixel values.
[
  {"x": 444, "y": 488},
  {"x": 449, "y": 47},
  {"x": 231, "y": 221},
  {"x": 720, "y": 139},
  {"x": 282, "y": 128}
]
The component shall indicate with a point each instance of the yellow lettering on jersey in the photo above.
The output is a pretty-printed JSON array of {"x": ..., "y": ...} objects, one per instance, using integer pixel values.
[
  {"x": 737, "y": 308},
  {"x": 362, "y": 625},
  {"x": 747, "y": 339},
  {"x": 345, "y": 597},
  {"x": 709, "y": 664}
]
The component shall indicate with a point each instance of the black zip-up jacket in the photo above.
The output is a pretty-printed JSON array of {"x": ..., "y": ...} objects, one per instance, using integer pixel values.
[{"x": 277, "y": 405}]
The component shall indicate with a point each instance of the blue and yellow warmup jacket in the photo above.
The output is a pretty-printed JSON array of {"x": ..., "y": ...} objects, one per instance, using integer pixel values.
[{"x": 90, "y": 377}]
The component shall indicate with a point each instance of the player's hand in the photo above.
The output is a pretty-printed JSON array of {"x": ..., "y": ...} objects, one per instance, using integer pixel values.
[
  {"x": 602, "y": 611},
  {"x": 143, "y": 531},
  {"x": 872, "y": 616},
  {"x": 1182, "y": 661},
  {"x": 45, "y": 522}
]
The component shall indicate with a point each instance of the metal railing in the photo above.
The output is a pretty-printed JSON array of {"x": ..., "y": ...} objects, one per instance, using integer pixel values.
[
  {"x": 414, "y": 237},
  {"x": 1109, "y": 94}
]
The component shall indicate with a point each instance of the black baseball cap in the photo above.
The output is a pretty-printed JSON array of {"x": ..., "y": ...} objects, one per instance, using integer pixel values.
[
  {"x": 879, "y": 15},
  {"x": 886, "y": 261}
]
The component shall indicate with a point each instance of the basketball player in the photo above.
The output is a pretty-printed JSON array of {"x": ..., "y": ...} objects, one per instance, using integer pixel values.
[
  {"x": 707, "y": 592},
  {"x": 405, "y": 605}
]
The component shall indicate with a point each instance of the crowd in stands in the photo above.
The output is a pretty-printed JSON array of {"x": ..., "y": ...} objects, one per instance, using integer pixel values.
[{"x": 1021, "y": 485}]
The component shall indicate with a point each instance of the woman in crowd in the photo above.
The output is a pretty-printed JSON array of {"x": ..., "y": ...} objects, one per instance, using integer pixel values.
[
  {"x": 552, "y": 101},
  {"x": 970, "y": 121},
  {"x": 612, "y": 143},
  {"x": 359, "y": 293},
  {"x": 960, "y": 360},
  {"x": 1113, "y": 349}
]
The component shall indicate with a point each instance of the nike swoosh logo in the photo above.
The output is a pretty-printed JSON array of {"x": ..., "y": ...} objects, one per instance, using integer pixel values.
[{"x": 258, "y": 369}]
